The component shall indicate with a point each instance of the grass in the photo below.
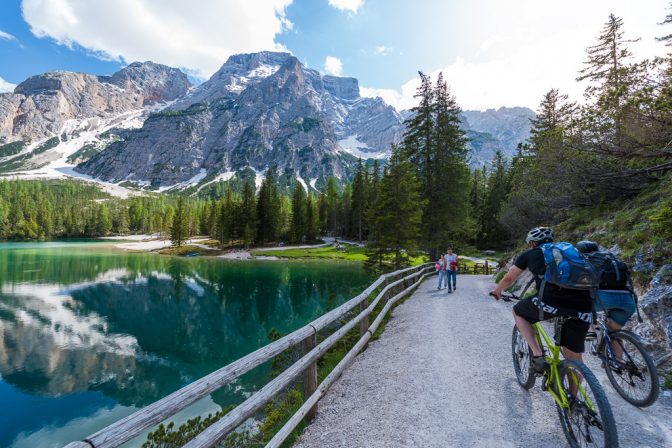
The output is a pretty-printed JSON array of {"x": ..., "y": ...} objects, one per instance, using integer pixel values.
[
  {"x": 348, "y": 252},
  {"x": 471, "y": 251},
  {"x": 668, "y": 380},
  {"x": 641, "y": 225},
  {"x": 183, "y": 251}
]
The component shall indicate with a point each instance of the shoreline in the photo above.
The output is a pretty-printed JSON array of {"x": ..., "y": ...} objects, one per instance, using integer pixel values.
[{"x": 156, "y": 243}]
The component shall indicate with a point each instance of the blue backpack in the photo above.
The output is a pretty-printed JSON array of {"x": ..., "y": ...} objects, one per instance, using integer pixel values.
[{"x": 567, "y": 268}]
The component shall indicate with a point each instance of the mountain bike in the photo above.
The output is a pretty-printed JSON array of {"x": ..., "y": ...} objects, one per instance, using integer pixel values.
[
  {"x": 583, "y": 409},
  {"x": 633, "y": 374}
]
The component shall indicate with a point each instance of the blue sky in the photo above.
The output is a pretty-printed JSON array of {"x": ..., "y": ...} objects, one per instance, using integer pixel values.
[{"x": 493, "y": 53}]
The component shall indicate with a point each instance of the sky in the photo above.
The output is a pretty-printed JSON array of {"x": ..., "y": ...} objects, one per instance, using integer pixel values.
[{"x": 493, "y": 53}]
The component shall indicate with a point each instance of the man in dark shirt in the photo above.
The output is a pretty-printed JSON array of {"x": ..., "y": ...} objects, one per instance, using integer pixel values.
[{"x": 555, "y": 302}]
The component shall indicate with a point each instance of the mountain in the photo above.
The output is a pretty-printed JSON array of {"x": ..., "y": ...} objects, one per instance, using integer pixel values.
[
  {"x": 494, "y": 129},
  {"x": 259, "y": 110},
  {"x": 41, "y": 105},
  {"x": 147, "y": 127}
]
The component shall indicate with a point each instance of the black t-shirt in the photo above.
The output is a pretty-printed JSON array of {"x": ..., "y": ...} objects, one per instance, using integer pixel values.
[{"x": 533, "y": 259}]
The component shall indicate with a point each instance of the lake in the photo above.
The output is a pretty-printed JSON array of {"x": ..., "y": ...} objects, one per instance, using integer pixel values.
[{"x": 89, "y": 334}]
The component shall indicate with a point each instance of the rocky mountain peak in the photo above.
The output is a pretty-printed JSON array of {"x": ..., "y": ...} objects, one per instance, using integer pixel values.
[
  {"x": 345, "y": 88},
  {"x": 40, "y": 106},
  {"x": 157, "y": 82}
]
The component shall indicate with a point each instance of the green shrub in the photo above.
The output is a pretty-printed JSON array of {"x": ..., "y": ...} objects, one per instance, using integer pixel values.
[
  {"x": 166, "y": 436},
  {"x": 84, "y": 153},
  {"x": 500, "y": 275},
  {"x": 662, "y": 221},
  {"x": 668, "y": 380},
  {"x": 11, "y": 148},
  {"x": 51, "y": 143}
]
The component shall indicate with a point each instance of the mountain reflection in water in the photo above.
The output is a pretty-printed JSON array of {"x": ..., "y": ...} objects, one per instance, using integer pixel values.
[{"x": 86, "y": 331}]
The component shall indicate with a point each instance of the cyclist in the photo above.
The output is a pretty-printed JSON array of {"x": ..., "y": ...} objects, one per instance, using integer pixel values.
[
  {"x": 555, "y": 302},
  {"x": 615, "y": 297}
]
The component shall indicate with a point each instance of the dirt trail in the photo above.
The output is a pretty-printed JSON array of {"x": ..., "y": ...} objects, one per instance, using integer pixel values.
[{"x": 441, "y": 376}]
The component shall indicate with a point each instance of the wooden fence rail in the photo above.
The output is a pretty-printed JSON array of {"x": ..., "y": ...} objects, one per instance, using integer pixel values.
[
  {"x": 485, "y": 268},
  {"x": 131, "y": 426}
]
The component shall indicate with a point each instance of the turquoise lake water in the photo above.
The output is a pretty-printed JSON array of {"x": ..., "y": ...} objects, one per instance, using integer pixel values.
[{"x": 88, "y": 334}]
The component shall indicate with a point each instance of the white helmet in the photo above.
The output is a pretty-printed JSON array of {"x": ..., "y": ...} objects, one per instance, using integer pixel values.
[{"x": 540, "y": 234}]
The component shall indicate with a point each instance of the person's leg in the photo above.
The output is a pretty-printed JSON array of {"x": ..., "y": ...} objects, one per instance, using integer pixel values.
[
  {"x": 527, "y": 331},
  {"x": 572, "y": 340},
  {"x": 448, "y": 275},
  {"x": 453, "y": 274},
  {"x": 574, "y": 356},
  {"x": 615, "y": 346},
  {"x": 440, "y": 279}
]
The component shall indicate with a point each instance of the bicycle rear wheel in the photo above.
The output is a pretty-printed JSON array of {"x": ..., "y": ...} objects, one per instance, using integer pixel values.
[
  {"x": 522, "y": 356},
  {"x": 588, "y": 422},
  {"x": 634, "y": 377}
]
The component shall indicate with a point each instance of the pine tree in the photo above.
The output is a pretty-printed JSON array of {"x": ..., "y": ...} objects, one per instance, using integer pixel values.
[
  {"x": 312, "y": 218},
  {"x": 299, "y": 213},
  {"x": 248, "y": 214},
  {"x": 179, "y": 230},
  {"x": 268, "y": 209},
  {"x": 491, "y": 233},
  {"x": 359, "y": 202},
  {"x": 398, "y": 210},
  {"x": 611, "y": 86}
]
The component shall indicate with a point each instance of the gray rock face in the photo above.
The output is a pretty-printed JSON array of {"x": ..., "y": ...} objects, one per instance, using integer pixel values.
[
  {"x": 509, "y": 125},
  {"x": 657, "y": 306},
  {"x": 259, "y": 110},
  {"x": 40, "y": 106}
]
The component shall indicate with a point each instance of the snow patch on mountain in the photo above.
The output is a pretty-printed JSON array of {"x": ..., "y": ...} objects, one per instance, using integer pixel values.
[
  {"x": 352, "y": 145},
  {"x": 302, "y": 182}
]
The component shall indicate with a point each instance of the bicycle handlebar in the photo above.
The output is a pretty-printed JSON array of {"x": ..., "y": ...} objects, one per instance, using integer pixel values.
[{"x": 507, "y": 297}]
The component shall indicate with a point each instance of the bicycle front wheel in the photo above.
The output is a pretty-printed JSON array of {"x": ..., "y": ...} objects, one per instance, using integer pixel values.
[
  {"x": 632, "y": 373},
  {"x": 522, "y": 356},
  {"x": 588, "y": 420}
]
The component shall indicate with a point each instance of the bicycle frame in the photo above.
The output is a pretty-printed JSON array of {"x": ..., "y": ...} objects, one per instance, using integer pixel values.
[{"x": 554, "y": 378}]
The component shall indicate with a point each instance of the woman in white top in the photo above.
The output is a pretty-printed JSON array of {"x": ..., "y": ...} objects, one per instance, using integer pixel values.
[{"x": 452, "y": 265}]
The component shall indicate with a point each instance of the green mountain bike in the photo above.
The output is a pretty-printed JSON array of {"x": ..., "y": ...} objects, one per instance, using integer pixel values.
[{"x": 585, "y": 414}]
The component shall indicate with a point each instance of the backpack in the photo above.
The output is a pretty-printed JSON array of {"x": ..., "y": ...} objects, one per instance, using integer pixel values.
[
  {"x": 567, "y": 268},
  {"x": 614, "y": 274}
]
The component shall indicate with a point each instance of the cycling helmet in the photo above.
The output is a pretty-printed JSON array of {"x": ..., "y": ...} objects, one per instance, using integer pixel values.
[
  {"x": 540, "y": 234},
  {"x": 586, "y": 247}
]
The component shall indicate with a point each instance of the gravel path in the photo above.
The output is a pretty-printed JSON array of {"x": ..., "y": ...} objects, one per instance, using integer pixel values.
[{"x": 441, "y": 376}]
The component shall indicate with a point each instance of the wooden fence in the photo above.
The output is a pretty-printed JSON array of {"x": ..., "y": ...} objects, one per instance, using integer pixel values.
[
  {"x": 131, "y": 426},
  {"x": 484, "y": 268}
]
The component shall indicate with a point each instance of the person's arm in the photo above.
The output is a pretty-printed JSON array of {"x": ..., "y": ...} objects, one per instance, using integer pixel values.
[{"x": 507, "y": 281}]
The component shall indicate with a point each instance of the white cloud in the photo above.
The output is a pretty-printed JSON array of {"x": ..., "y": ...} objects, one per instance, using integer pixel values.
[
  {"x": 6, "y": 86},
  {"x": 517, "y": 64},
  {"x": 382, "y": 50},
  {"x": 198, "y": 35},
  {"x": 7, "y": 36},
  {"x": 333, "y": 66},
  {"x": 347, "y": 5},
  {"x": 399, "y": 99}
]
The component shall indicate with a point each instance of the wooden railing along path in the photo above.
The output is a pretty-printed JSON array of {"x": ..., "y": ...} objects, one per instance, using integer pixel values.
[
  {"x": 484, "y": 268},
  {"x": 133, "y": 425}
]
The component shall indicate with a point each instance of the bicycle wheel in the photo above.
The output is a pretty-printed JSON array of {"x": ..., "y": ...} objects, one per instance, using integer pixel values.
[
  {"x": 522, "y": 356},
  {"x": 585, "y": 425},
  {"x": 634, "y": 377}
]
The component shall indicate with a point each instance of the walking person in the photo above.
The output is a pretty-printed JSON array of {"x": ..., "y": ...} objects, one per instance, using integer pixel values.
[
  {"x": 442, "y": 268},
  {"x": 452, "y": 266}
]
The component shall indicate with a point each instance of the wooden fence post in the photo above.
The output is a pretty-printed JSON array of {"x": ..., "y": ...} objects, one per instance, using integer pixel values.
[
  {"x": 487, "y": 268},
  {"x": 310, "y": 374},
  {"x": 364, "y": 323}
]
